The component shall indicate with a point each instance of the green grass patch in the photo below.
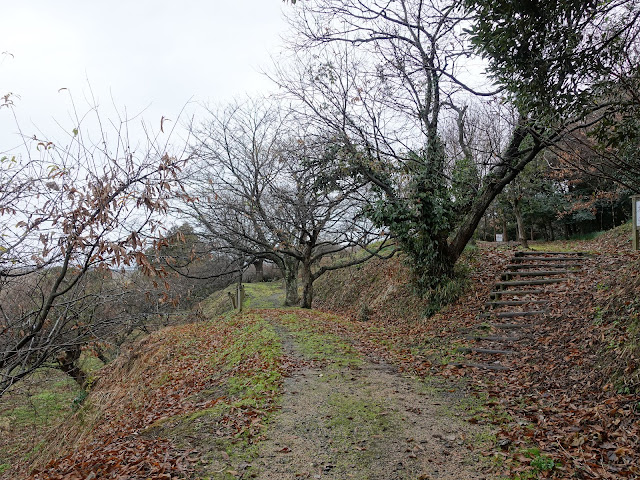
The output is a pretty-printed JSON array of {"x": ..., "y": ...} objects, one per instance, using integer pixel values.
[
  {"x": 254, "y": 337},
  {"x": 263, "y": 295},
  {"x": 259, "y": 343},
  {"x": 247, "y": 382},
  {"x": 257, "y": 295},
  {"x": 586, "y": 236},
  {"x": 539, "y": 464},
  {"x": 315, "y": 345},
  {"x": 218, "y": 303},
  {"x": 48, "y": 404},
  {"x": 448, "y": 290},
  {"x": 354, "y": 420},
  {"x": 354, "y": 423},
  {"x": 30, "y": 410}
]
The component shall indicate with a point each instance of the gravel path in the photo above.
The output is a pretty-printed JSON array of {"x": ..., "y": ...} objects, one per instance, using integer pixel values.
[{"x": 365, "y": 422}]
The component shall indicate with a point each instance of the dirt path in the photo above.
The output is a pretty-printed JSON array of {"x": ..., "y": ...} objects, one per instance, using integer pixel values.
[{"x": 363, "y": 421}]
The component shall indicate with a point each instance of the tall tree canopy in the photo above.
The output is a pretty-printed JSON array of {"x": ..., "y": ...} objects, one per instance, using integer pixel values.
[
  {"x": 566, "y": 59},
  {"x": 385, "y": 76}
]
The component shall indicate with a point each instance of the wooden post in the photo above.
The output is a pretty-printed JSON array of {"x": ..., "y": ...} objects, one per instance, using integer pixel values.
[
  {"x": 635, "y": 221},
  {"x": 240, "y": 296},
  {"x": 233, "y": 299}
]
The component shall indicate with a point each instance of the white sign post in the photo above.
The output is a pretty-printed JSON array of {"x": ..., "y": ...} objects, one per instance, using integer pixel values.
[
  {"x": 635, "y": 221},
  {"x": 499, "y": 237}
]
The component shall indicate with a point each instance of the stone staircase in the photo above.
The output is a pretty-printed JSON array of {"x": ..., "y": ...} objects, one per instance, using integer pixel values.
[{"x": 515, "y": 306}]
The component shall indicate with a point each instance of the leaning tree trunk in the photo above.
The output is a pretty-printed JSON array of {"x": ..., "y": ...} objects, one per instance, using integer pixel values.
[
  {"x": 522, "y": 235},
  {"x": 513, "y": 163},
  {"x": 67, "y": 362},
  {"x": 291, "y": 266}
]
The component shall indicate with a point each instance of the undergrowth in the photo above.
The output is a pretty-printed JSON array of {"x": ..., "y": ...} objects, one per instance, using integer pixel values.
[{"x": 448, "y": 290}]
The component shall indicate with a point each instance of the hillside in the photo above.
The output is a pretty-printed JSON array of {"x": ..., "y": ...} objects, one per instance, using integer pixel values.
[
  {"x": 572, "y": 389},
  {"x": 367, "y": 387},
  {"x": 268, "y": 394}
]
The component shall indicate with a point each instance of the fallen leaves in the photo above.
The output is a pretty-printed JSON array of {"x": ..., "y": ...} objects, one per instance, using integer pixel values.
[
  {"x": 169, "y": 375},
  {"x": 560, "y": 396}
]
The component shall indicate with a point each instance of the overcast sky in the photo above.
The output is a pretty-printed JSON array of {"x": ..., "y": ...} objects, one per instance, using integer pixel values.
[{"x": 154, "y": 55}]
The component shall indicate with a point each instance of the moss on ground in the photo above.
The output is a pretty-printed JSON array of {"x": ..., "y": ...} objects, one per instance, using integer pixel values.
[
  {"x": 247, "y": 385},
  {"x": 257, "y": 295},
  {"x": 317, "y": 346}
]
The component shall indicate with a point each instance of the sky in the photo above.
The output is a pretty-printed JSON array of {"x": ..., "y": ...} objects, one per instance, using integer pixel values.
[{"x": 142, "y": 57}]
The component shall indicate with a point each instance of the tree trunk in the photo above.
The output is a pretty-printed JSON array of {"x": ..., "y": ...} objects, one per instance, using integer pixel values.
[
  {"x": 67, "y": 362},
  {"x": 513, "y": 164},
  {"x": 485, "y": 228},
  {"x": 522, "y": 234},
  {"x": 291, "y": 266},
  {"x": 259, "y": 266},
  {"x": 101, "y": 354},
  {"x": 307, "y": 285}
]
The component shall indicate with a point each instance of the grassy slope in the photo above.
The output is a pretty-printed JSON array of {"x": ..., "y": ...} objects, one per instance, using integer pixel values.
[
  {"x": 29, "y": 411},
  {"x": 34, "y": 407},
  {"x": 257, "y": 295},
  {"x": 204, "y": 385}
]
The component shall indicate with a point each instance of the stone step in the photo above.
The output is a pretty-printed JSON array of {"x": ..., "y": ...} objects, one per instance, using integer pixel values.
[
  {"x": 536, "y": 273},
  {"x": 488, "y": 351},
  {"x": 548, "y": 259},
  {"x": 485, "y": 366},
  {"x": 514, "y": 292},
  {"x": 510, "y": 326},
  {"x": 522, "y": 283},
  {"x": 518, "y": 266},
  {"x": 537, "y": 252},
  {"x": 513, "y": 303},
  {"x": 495, "y": 338},
  {"x": 530, "y": 313}
]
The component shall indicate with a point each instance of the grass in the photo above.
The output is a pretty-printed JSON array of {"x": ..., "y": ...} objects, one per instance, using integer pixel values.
[
  {"x": 586, "y": 236},
  {"x": 323, "y": 347},
  {"x": 354, "y": 422},
  {"x": 236, "y": 358},
  {"x": 29, "y": 411},
  {"x": 248, "y": 380},
  {"x": 263, "y": 295},
  {"x": 257, "y": 295},
  {"x": 250, "y": 387},
  {"x": 539, "y": 464},
  {"x": 448, "y": 291},
  {"x": 218, "y": 303},
  {"x": 557, "y": 246},
  {"x": 582, "y": 242}
]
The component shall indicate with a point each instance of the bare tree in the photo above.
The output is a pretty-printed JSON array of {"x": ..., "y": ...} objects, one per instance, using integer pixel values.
[
  {"x": 263, "y": 194},
  {"x": 71, "y": 212},
  {"x": 382, "y": 76}
]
